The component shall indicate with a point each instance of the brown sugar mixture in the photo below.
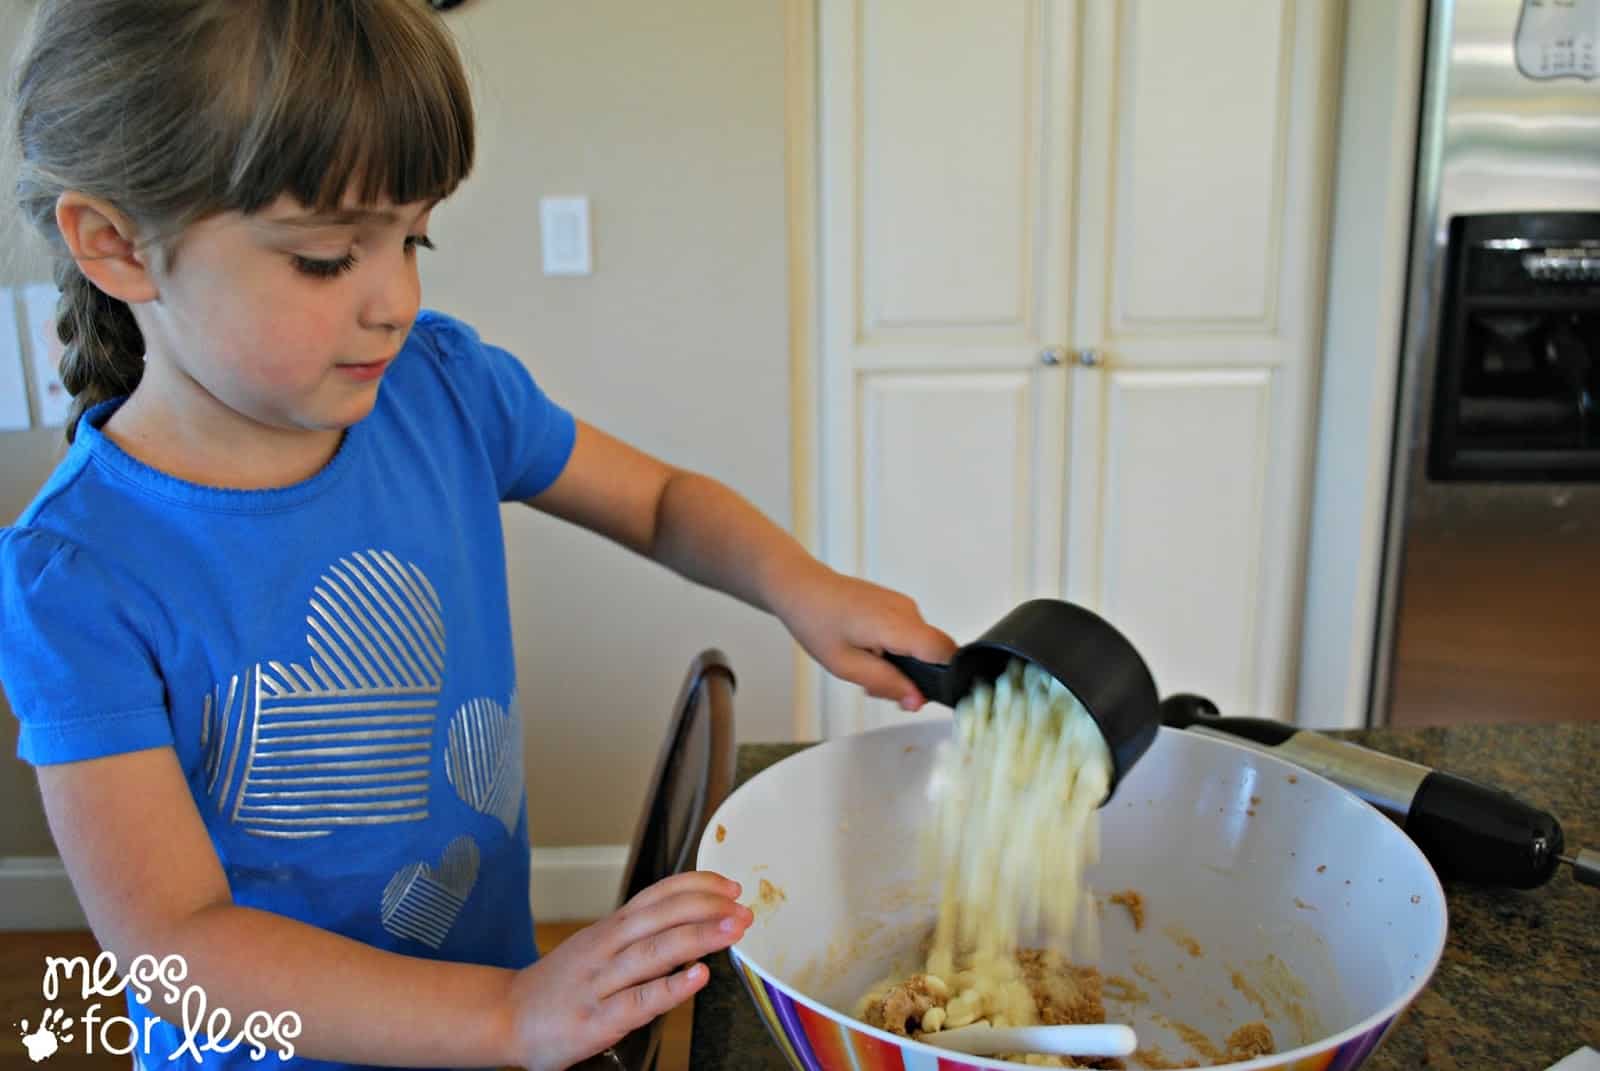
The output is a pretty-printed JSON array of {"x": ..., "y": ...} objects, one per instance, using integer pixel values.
[
  {"x": 1249, "y": 1041},
  {"x": 1125, "y": 991},
  {"x": 1065, "y": 994},
  {"x": 1185, "y": 941},
  {"x": 900, "y": 1010},
  {"x": 1062, "y": 994},
  {"x": 1130, "y": 899}
]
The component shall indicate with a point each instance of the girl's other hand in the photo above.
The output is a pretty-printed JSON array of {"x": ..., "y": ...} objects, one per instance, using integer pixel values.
[
  {"x": 846, "y": 624},
  {"x": 610, "y": 978}
]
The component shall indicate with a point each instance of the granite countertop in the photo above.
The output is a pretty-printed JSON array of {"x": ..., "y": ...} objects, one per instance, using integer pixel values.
[{"x": 1519, "y": 985}]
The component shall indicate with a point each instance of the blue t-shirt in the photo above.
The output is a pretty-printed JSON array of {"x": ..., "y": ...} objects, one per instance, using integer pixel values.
[{"x": 332, "y": 661}]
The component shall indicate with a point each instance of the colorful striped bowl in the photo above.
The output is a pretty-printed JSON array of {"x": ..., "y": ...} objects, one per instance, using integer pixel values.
[{"x": 1269, "y": 895}]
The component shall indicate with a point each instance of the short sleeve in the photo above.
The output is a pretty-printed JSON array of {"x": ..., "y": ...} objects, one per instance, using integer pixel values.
[
  {"x": 76, "y": 658},
  {"x": 528, "y": 437}
]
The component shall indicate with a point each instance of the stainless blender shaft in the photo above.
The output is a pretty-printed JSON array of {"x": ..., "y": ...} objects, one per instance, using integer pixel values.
[{"x": 1585, "y": 866}]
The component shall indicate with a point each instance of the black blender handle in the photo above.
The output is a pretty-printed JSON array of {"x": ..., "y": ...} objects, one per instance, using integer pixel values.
[
  {"x": 1183, "y": 710},
  {"x": 933, "y": 679},
  {"x": 1468, "y": 831},
  {"x": 1475, "y": 833}
]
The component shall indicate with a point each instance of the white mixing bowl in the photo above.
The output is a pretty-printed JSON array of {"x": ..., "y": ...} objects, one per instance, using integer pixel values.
[{"x": 1269, "y": 895}]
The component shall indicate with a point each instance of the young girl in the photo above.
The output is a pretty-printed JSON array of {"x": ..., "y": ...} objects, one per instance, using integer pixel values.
[{"x": 255, "y": 625}]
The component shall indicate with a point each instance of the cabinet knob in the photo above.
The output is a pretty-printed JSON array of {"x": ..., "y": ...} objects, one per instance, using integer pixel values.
[
  {"x": 1090, "y": 358},
  {"x": 1052, "y": 355}
]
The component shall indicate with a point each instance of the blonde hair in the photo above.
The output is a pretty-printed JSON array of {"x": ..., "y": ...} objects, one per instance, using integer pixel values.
[{"x": 173, "y": 111}]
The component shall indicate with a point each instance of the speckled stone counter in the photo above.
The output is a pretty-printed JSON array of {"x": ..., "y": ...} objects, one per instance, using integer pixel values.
[{"x": 1519, "y": 985}]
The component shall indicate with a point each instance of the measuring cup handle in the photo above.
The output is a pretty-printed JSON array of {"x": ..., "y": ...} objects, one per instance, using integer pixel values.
[{"x": 934, "y": 680}]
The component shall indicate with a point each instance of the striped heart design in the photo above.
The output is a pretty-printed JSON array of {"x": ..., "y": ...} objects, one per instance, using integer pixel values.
[
  {"x": 345, "y": 739},
  {"x": 421, "y": 903},
  {"x": 483, "y": 760}
]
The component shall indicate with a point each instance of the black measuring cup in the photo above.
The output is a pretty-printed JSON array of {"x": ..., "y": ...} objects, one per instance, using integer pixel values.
[{"x": 1077, "y": 647}]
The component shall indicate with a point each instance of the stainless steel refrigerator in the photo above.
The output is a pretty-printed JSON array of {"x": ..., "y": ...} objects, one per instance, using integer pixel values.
[{"x": 1490, "y": 605}]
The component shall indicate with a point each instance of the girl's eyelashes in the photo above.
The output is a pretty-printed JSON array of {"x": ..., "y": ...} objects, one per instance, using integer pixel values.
[
  {"x": 318, "y": 268},
  {"x": 324, "y": 269}
]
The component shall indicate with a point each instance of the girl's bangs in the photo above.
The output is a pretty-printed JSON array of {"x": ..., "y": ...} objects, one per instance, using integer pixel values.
[{"x": 367, "y": 108}]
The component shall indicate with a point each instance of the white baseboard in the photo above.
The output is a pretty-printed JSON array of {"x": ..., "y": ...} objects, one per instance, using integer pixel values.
[
  {"x": 573, "y": 884},
  {"x": 36, "y": 895},
  {"x": 569, "y": 884}
]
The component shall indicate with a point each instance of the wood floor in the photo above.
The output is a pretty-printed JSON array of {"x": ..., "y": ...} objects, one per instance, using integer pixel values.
[
  {"x": 22, "y": 958},
  {"x": 1488, "y": 634}
]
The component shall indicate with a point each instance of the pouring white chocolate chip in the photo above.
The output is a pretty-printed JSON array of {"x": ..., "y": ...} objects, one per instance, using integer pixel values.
[{"x": 1015, "y": 795}]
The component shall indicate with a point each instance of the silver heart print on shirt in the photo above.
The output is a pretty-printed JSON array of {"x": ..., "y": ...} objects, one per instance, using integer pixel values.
[
  {"x": 422, "y": 903},
  {"x": 297, "y": 751},
  {"x": 483, "y": 760}
]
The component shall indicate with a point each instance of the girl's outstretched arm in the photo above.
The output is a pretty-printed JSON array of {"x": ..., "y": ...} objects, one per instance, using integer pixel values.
[{"x": 708, "y": 533}]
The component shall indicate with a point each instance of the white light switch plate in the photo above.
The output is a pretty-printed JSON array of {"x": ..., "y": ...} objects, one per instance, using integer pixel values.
[
  {"x": 13, "y": 384},
  {"x": 564, "y": 235}
]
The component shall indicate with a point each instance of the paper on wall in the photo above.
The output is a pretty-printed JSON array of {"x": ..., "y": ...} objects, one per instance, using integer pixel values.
[
  {"x": 13, "y": 384},
  {"x": 52, "y": 399}
]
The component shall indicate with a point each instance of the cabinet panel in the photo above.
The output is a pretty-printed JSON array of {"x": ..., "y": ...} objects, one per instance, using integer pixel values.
[
  {"x": 949, "y": 466},
  {"x": 947, "y": 162},
  {"x": 1202, "y": 98},
  {"x": 1181, "y": 524},
  {"x": 947, "y": 478}
]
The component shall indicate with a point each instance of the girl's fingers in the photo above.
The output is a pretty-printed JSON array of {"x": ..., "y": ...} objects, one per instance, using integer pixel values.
[
  {"x": 656, "y": 954},
  {"x": 694, "y": 880},
  {"x": 929, "y": 644},
  {"x": 634, "y": 1007},
  {"x": 877, "y": 677},
  {"x": 680, "y": 910},
  {"x": 907, "y": 633}
]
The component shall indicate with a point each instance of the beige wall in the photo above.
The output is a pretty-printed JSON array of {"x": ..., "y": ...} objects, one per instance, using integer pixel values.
[
  {"x": 25, "y": 459},
  {"x": 670, "y": 118}
]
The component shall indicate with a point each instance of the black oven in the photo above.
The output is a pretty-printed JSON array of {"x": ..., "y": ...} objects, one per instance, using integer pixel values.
[{"x": 1518, "y": 372}]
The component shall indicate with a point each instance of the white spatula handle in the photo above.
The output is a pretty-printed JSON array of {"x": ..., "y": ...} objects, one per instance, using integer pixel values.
[{"x": 1098, "y": 1039}]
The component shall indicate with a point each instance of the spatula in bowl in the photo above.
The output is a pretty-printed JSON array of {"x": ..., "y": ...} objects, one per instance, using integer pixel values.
[{"x": 980, "y": 1039}]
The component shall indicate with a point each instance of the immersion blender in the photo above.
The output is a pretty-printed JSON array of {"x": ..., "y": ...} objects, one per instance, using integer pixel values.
[{"x": 1468, "y": 831}]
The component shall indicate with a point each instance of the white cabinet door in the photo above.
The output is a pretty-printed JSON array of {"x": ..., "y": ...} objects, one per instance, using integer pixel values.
[
  {"x": 944, "y": 151},
  {"x": 1013, "y": 178},
  {"x": 1203, "y": 199}
]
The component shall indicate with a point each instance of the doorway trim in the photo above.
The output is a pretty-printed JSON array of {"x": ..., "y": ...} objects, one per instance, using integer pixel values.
[{"x": 805, "y": 416}]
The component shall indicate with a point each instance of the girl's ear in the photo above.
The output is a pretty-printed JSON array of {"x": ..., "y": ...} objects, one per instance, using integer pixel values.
[{"x": 101, "y": 241}]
